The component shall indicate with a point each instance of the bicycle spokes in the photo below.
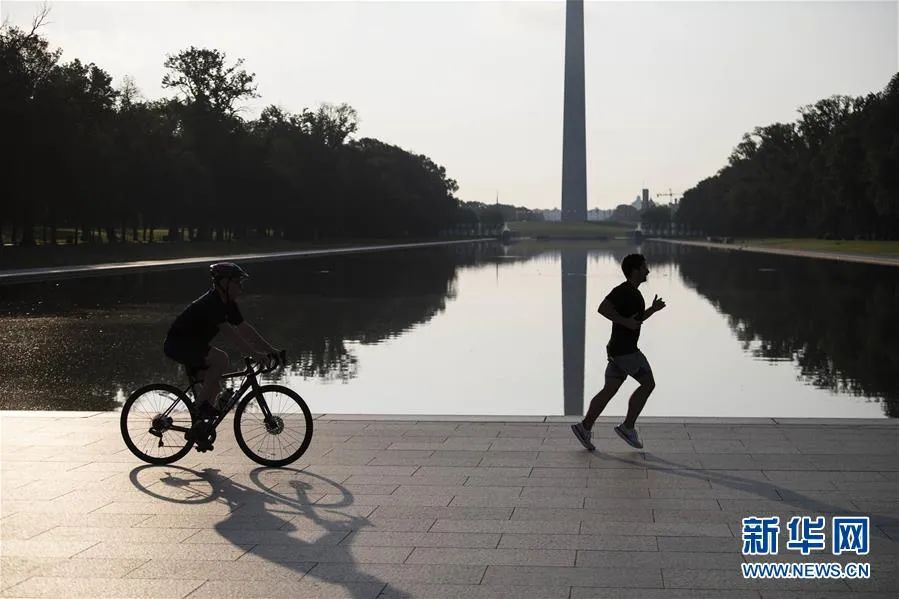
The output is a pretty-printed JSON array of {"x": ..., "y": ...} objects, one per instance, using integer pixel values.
[{"x": 155, "y": 420}]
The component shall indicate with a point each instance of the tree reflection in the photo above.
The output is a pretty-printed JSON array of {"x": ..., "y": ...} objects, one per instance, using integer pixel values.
[
  {"x": 836, "y": 320},
  {"x": 72, "y": 344}
]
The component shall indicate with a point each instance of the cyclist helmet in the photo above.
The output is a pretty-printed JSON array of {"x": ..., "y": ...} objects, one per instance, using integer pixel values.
[{"x": 227, "y": 270}]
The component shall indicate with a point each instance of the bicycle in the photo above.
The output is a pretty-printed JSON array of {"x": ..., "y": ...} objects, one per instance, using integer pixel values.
[{"x": 282, "y": 421}]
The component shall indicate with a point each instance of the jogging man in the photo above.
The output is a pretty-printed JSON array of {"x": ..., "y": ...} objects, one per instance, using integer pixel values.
[{"x": 625, "y": 307}]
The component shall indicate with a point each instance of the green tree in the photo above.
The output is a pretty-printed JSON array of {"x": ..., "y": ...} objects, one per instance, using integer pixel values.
[
  {"x": 204, "y": 78},
  {"x": 832, "y": 173},
  {"x": 331, "y": 125},
  {"x": 656, "y": 217},
  {"x": 26, "y": 63},
  {"x": 103, "y": 160},
  {"x": 626, "y": 214},
  {"x": 211, "y": 133}
]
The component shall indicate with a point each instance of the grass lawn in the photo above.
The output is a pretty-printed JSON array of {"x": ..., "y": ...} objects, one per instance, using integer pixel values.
[
  {"x": 559, "y": 230},
  {"x": 875, "y": 248}
]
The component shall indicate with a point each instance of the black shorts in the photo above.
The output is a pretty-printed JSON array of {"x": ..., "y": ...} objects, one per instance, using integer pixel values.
[
  {"x": 192, "y": 357},
  {"x": 635, "y": 365}
]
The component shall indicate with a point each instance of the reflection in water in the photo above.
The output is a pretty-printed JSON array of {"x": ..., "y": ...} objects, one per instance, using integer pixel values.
[
  {"x": 836, "y": 320},
  {"x": 476, "y": 329},
  {"x": 79, "y": 343},
  {"x": 574, "y": 307}
]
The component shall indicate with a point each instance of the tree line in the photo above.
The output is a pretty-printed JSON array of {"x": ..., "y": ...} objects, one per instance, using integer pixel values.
[
  {"x": 834, "y": 173},
  {"x": 86, "y": 160}
]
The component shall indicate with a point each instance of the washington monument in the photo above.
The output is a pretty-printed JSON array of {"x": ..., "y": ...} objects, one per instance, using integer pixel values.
[
  {"x": 574, "y": 210},
  {"x": 574, "y": 135}
]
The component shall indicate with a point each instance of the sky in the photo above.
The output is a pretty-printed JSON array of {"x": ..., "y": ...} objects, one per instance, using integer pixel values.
[{"x": 671, "y": 86}]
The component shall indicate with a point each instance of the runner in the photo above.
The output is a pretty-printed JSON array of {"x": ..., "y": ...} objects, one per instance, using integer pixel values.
[{"x": 625, "y": 307}]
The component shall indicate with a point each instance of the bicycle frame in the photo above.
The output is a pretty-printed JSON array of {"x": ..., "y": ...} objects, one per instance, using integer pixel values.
[{"x": 250, "y": 382}]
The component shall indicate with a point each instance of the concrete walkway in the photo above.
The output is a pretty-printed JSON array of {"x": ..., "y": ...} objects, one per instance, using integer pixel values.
[
  {"x": 844, "y": 257},
  {"x": 85, "y": 270},
  {"x": 439, "y": 508}
]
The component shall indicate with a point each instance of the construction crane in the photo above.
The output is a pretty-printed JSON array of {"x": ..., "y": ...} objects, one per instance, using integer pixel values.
[{"x": 670, "y": 195}]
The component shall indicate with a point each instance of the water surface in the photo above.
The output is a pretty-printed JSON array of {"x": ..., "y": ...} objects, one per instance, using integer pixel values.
[{"x": 478, "y": 329}]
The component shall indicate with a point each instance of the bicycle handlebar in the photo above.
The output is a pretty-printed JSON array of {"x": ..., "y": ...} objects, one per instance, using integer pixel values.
[{"x": 280, "y": 360}]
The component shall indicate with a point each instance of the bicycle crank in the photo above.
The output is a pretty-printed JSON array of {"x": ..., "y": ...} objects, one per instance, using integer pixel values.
[{"x": 206, "y": 444}]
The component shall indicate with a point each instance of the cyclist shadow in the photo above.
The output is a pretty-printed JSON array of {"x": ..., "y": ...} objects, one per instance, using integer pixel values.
[
  {"x": 301, "y": 538},
  {"x": 765, "y": 490}
]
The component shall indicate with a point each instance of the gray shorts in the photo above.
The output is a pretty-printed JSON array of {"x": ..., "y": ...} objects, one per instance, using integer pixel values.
[{"x": 635, "y": 365}]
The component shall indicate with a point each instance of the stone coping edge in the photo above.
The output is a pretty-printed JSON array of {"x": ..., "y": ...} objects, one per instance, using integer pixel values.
[
  {"x": 822, "y": 254},
  {"x": 50, "y": 273}
]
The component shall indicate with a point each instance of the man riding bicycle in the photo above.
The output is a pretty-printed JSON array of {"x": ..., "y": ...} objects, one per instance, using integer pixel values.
[{"x": 188, "y": 340}]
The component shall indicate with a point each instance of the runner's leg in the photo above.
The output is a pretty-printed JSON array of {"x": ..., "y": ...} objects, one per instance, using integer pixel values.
[
  {"x": 601, "y": 399},
  {"x": 637, "y": 402},
  {"x": 638, "y": 398}
]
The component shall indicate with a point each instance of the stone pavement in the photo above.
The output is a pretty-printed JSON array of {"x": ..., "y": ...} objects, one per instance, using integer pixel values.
[{"x": 439, "y": 508}]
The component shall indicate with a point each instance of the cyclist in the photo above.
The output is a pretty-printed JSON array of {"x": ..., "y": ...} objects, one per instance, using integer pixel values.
[{"x": 189, "y": 337}]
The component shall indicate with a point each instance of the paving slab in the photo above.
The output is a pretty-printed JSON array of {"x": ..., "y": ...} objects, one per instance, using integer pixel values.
[
  {"x": 473, "y": 591},
  {"x": 394, "y": 573},
  {"x": 439, "y": 507},
  {"x": 288, "y": 589},
  {"x": 599, "y": 593},
  {"x": 579, "y": 542},
  {"x": 364, "y": 538},
  {"x": 114, "y": 588},
  {"x": 584, "y": 577}
]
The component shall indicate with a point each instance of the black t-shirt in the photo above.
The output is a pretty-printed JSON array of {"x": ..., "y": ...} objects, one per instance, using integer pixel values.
[
  {"x": 199, "y": 323},
  {"x": 628, "y": 302}
]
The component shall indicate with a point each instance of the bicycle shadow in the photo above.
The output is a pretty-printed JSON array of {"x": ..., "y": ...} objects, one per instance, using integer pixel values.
[
  {"x": 764, "y": 489},
  {"x": 290, "y": 532}
]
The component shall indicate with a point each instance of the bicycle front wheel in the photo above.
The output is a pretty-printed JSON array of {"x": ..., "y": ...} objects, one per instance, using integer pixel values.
[
  {"x": 155, "y": 421},
  {"x": 273, "y": 426}
]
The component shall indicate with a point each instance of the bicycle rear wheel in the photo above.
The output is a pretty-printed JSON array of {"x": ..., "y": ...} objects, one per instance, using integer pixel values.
[
  {"x": 279, "y": 438},
  {"x": 155, "y": 420}
]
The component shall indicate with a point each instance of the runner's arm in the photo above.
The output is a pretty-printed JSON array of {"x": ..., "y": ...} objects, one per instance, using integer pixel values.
[
  {"x": 657, "y": 304},
  {"x": 607, "y": 309}
]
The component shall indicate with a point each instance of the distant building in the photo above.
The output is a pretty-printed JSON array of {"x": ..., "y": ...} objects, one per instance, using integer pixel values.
[
  {"x": 597, "y": 214},
  {"x": 551, "y": 215},
  {"x": 593, "y": 215}
]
